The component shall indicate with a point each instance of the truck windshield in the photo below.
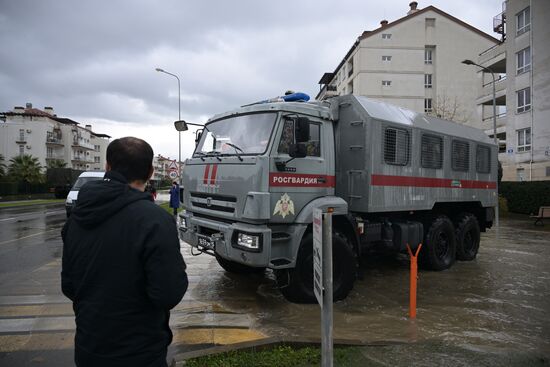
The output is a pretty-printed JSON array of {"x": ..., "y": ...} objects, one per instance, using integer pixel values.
[{"x": 239, "y": 135}]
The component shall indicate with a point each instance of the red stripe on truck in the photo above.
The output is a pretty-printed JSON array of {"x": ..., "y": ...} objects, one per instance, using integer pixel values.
[
  {"x": 214, "y": 172},
  {"x": 300, "y": 180},
  {"x": 206, "y": 174},
  {"x": 386, "y": 180}
]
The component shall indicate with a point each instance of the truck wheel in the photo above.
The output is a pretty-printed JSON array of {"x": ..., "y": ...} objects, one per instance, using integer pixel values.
[
  {"x": 237, "y": 268},
  {"x": 439, "y": 249},
  {"x": 299, "y": 280},
  {"x": 467, "y": 237}
]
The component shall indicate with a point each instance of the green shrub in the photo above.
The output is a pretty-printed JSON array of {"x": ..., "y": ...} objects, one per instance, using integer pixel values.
[{"x": 526, "y": 197}]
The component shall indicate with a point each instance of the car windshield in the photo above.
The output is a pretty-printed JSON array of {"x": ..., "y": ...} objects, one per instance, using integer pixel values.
[
  {"x": 83, "y": 180},
  {"x": 239, "y": 135}
]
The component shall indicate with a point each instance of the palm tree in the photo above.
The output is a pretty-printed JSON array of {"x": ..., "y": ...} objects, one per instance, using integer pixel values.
[
  {"x": 25, "y": 168},
  {"x": 56, "y": 163},
  {"x": 2, "y": 166}
]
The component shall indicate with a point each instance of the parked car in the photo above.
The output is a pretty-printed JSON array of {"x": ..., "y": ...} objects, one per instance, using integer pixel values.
[{"x": 84, "y": 178}]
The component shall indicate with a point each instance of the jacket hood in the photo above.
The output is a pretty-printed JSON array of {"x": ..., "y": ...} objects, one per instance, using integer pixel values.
[{"x": 99, "y": 200}]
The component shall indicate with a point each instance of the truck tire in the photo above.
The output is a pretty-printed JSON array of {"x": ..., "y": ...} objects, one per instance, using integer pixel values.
[
  {"x": 237, "y": 268},
  {"x": 467, "y": 237},
  {"x": 439, "y": 249},
  {"x": 297, "y": 283}
]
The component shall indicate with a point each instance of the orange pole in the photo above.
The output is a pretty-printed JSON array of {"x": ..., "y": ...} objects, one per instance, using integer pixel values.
[{"x": 414, "y": 276}]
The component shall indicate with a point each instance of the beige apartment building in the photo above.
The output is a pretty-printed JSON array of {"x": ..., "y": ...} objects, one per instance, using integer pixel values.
[
  {"x": 44, "y": 135},
  {"x": 521, "y": 65},
  {"x": 415, "y": 62}
]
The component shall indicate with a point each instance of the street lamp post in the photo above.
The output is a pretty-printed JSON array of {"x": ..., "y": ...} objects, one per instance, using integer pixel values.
[
  {"x": 486, "y": 69},
  {"x": 179, "y": 118}
]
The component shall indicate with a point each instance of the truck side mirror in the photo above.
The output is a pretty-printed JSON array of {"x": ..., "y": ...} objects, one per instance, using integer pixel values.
[
  {"x": 297, "y": 150},
  {"x": 198, "y": 135},
  {"x": 301, "y": 129},
  {"x": 180, "y": 125}
]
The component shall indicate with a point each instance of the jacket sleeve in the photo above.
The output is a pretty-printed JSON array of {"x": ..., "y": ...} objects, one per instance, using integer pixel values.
[
  {"x": 164, "y": 266},
  {"x": 66, "y": 281}
]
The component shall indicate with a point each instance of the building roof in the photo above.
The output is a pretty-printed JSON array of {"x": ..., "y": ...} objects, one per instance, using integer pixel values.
[
  {"x": 28, "y": 112},
  {"x": 65, "y": 121},
  {"x": 367, "y": 34}
]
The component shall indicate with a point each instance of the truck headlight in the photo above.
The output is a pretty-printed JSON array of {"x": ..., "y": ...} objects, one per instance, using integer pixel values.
[
  {"x": 69, "y": 201},
  {"x": 183, "y": 222},
  {"x": 248, "y": 241}
]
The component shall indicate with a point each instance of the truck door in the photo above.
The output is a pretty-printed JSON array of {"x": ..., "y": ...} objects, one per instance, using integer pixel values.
[{"x": 301, "y": 180}]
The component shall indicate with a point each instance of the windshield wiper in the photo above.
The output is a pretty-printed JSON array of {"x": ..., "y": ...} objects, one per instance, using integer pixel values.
[
  {"x": 236, "y": 150},
  {"x": 214, "y": 153},
  {"x": 201, "y": 155}
]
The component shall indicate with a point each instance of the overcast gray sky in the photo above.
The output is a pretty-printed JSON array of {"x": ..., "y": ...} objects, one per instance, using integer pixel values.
[{"x": 94, "y": 61}]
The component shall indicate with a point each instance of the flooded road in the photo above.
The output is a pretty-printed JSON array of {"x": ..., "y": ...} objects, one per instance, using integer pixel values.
[{"x": 499, "y": 303}]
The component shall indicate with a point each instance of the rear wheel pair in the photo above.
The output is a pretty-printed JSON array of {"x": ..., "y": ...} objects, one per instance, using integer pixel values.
[{"x": 443, "y": 244}]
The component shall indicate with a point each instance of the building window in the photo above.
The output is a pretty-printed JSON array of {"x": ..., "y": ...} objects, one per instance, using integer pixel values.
[
  {"x": 524, "y": 100},
  {"x": 524, "y": 140},
  {"x": 96, "y": 159},
  {"x": 427, "y": 105},
  {"x": 386, "y": 36},
  {"x": 483, "y": 159},
  {"x": 427, "y": 80},
  {"x": 548, "y": 171},
  {"x": 396, "y": 146},
  {"x": 523, "y": 21},
  {"x": 460, "y": 155},
  {"x": 21, "y": 134},
  {"x": 386, "y": 83},
  {"x": 386, "y": 58},
  {"x": 430, "y": 22},
  {"x": 49, "y": 152},
  {"x": 96, "y": 148},
  {"x": 428, "y": 55},
  {"x": 350, "y": 87},
  {"x": 21, "y": 150},
  {"x": 523, "y": 60},
  {"x": 431, "y": 155}
]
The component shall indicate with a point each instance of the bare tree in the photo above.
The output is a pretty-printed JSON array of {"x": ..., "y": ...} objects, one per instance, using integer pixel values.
[{"x": 449, "y": 108}]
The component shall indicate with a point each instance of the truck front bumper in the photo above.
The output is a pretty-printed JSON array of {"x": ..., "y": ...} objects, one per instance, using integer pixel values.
[{"x": 244, "y": 243}]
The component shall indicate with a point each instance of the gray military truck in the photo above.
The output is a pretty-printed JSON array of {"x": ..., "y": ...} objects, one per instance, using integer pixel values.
[{"x": 393, "y": 176}]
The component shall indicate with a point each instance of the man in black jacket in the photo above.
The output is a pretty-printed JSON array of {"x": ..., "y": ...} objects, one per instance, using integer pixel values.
[{"x": 122, "y": 265}]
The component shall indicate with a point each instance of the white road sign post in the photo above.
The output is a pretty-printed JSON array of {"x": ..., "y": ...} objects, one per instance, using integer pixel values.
[{"x": 322, "y": 273}]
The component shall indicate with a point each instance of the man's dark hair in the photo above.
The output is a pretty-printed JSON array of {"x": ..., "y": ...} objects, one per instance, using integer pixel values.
[{"x": 131, "y": 157}]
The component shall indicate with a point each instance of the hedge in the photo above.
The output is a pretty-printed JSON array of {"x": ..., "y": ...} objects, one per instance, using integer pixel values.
[
  {"x": 15, "y": 188},
  {"x": 526, "y": 197}
]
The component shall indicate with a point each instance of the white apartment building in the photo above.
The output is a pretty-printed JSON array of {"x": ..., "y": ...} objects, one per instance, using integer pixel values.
[
  {"x": 415, "y": 62},
  {"x": 521, "y": 63},
  {"x": 40, "y": 133}
]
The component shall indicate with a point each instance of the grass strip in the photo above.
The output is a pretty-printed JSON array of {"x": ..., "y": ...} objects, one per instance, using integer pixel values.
[{"x": 279, "y": 356}]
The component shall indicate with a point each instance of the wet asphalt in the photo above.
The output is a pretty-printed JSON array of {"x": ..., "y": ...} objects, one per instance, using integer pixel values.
[{"x": 491, "y": 311}]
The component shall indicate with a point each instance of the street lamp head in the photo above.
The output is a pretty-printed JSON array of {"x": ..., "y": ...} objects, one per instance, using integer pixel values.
[
  {"x": 159, "y": 69},
  {"x": 468, "y": 62}
]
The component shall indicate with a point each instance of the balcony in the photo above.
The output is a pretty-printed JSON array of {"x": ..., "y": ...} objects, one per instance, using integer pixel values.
[
  {"x": 54, "y": 141},
  {"x": 487, "y": 122},
  {"x": 81, "y": 158},
  {"x": 486, "y": 97},
  {"x": 494, "y": 58},
  {"x": 80, "y": 144},
  {"x": 54, "y": 157}
]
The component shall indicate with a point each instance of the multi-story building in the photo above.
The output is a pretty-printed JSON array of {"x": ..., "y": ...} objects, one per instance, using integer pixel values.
[
  {"x": 415, "y": 62},
  {"x": 44, "y": 135},
  {"x": 521, "y": 67}
]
